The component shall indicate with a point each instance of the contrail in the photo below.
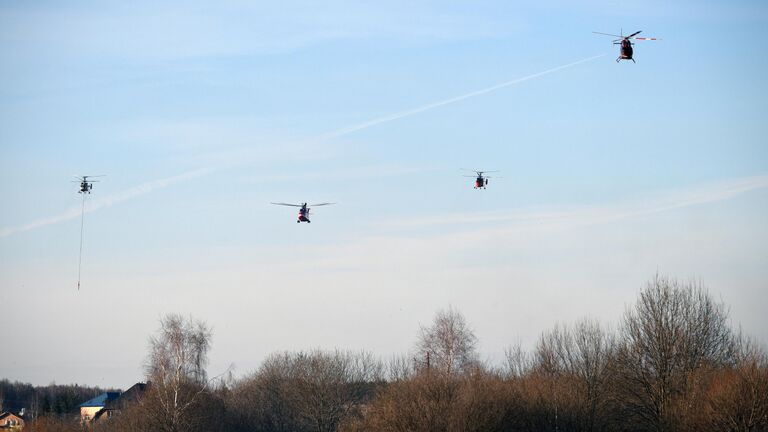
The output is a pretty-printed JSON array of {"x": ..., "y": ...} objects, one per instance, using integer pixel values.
[
  {"x": 107, "y": 201},
  {"x": 410, "y": 112},
  {"x": 157, "y": 184}
]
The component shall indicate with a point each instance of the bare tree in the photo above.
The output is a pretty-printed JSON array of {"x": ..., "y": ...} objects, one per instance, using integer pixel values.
[
  {"x": 175, "y": 367},
  {"x": 179, "y": 350},
  {"x": 423, "y": 402},
  {"x": 306, "y": 391},
  {"x": 672, "y": 330},
  {"x": 53, "y": 423},
  {"x": 448, "y": 345},
  {"x": 737, "y": 398},
  {"x": 400, "y": 368},
  {"x": 518, "y": 363},
  {"x": 330, "y": 385},
  {"x": 579, "y": 357},
  {"x": 265, "y": 400}
]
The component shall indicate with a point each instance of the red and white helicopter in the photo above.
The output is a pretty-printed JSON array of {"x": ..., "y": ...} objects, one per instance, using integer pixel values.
[
  {"x": 303, "y": 210},
  {"x": 625, "y": 52},
  {"x": 481, "y": 180}
]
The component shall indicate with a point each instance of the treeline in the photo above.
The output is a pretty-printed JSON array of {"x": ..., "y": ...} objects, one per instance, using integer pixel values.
[
  {"x": 673, "y": 363},
  {"x": 48, "y": 400}
]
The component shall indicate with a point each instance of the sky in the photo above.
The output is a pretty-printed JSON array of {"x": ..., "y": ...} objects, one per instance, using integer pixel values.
[{"x": 200, "y": 114}]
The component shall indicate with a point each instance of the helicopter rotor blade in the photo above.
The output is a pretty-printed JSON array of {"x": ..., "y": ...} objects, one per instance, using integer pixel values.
[
  {"x": 286, "y": 204},
  {"x": 478, "y": 171},
  {"x": 633, "y": 34},
  {"x": 646, "y": 38},
  {"x": 608, "y": 34},
  {"x": 321, "y": 204}
]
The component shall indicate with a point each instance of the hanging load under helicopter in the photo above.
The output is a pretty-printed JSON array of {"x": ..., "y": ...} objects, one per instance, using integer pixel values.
[
  {"x": 481, "y": 180},
  {"x": 626, "y": 51},
  {"x": 85, "y": 188},
  {"x": 303, "y": 210}
]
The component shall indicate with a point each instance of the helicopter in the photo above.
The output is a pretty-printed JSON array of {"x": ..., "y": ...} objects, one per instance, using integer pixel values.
[
  {"x": 303, "y": 210},
  {"x": 625, "y": 52},
  {"x": 481, "y": 181},
  {"x": 85, "y": 184}
]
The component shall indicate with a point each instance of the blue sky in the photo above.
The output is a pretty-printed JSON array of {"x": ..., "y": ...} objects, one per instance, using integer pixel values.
[{"x": 201, "y": 114}]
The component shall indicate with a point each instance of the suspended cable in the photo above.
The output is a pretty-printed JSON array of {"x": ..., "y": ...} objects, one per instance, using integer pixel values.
[{"x": 80, "y": 259}]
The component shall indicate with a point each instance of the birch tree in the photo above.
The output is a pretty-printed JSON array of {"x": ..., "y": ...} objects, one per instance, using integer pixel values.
[
  {"x": 178, "y": 355},
  {"x": 449, "y": 344}
]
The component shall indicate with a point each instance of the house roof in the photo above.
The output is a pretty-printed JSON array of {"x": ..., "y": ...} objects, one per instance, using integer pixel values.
[
  {"x": 5, "y": 414},
  {"x": 99, "y": 413},
  {"x": 100, "y": 400},
  {"x": 134, "y": 392}
]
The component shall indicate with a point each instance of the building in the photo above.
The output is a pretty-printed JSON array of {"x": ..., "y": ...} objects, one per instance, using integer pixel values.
[
  {"x": 90, "y": 408},
  {"x": 9, "y": 420},
  {"x": 106, "y": 404}
]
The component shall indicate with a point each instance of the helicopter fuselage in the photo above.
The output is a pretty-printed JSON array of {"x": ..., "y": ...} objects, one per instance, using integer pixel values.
[
  {"x": 480, "y": 182},
  {"x": 303, "y": 215},
  {"x": 625, "y": 52}
]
